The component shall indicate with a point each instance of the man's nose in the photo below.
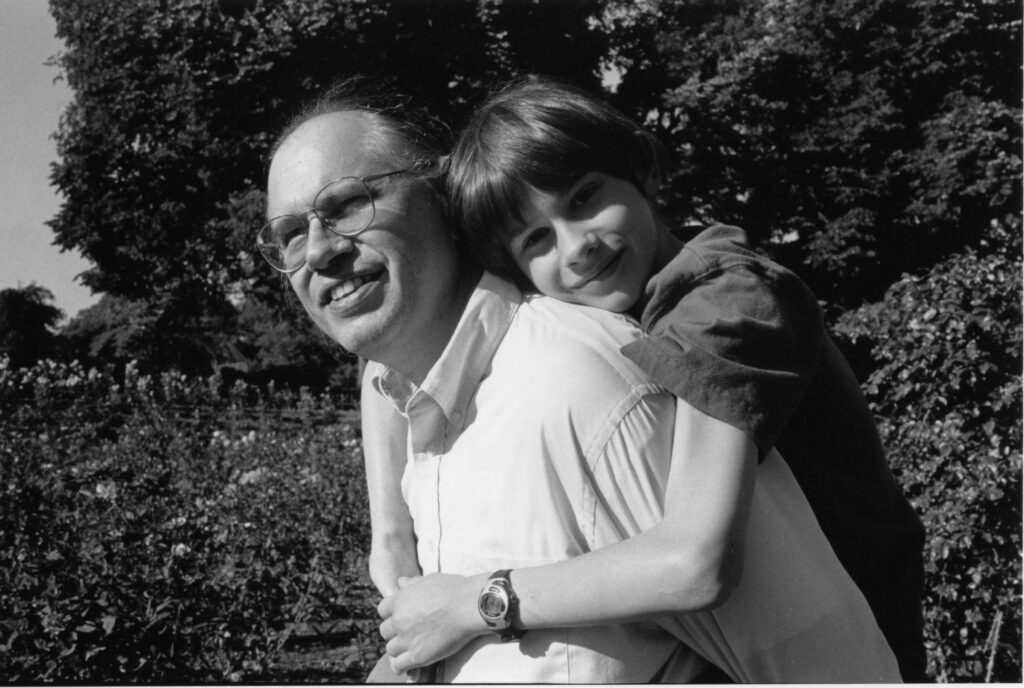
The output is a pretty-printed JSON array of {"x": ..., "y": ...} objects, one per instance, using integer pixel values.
[{"x": 322, "y": 245}]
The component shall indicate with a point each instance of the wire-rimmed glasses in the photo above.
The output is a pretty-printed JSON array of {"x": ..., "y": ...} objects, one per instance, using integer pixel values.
[{"x": 344, "y": 206}]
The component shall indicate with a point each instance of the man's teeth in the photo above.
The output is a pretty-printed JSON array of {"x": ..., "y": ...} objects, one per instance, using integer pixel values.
[{"x": 348, "y": 286}]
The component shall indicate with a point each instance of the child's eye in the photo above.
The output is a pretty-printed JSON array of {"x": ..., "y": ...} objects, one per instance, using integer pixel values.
[
  {"x": 533, "y": 238},
  {"x": 584, "y": 194}
]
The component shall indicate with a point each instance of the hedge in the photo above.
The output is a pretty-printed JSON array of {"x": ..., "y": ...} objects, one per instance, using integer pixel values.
[
  {"x": 165, "y": 529},
  {"x": 946, "y": 388}
]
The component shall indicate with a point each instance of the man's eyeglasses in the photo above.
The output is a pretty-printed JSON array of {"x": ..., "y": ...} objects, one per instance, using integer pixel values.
[{"x": 344, "y": 206}]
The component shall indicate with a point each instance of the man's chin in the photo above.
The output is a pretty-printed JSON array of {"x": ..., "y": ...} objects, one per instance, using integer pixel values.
[{"x": 358, "y": 334}]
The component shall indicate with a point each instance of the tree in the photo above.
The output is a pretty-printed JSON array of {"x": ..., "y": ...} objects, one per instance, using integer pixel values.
[
  {"x": 654, "y": 45},
  {"x": 117, "y": 330},
  {"x": 163, "y": 148},
  {"x": 28, "y": 324},
  {"x": 855, "y": 139}
]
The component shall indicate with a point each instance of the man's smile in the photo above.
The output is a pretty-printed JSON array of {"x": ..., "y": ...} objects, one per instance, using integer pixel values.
[{"x": 345, "y": 289}]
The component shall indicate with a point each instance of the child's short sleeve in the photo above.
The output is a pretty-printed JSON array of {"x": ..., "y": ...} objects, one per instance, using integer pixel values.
[{"x": 734, "y": 334}]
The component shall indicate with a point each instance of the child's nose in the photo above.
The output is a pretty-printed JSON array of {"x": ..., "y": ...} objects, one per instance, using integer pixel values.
[
  {"x": 322, "y": 245},
  {"x": 580, "y": 248}
]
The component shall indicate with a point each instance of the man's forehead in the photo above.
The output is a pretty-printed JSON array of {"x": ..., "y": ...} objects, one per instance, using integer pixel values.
[
  {"x": 335, "y": 138},
  {"x": 336, "y": 144}
]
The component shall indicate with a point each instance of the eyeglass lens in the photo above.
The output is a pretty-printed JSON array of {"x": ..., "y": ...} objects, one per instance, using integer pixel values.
[{"x": 343, "y": 206}]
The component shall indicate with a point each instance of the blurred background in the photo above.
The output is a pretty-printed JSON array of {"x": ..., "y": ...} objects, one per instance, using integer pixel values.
[{"x": 872, "y": 146}]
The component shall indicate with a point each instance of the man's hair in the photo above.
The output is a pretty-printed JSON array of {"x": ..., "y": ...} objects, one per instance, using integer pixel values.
[
  {"x": 541, "y": 133},
  {"x": 406, "y": 128}
]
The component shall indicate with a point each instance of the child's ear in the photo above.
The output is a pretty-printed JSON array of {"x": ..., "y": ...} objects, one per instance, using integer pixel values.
[
  {"x": 649, "y": 160},
  {"x": 651, "y": 184}
]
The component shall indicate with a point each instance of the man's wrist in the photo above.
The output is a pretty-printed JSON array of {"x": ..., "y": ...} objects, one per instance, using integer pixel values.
[
  {"x": 498, "y": 606},
  {"x": 475, "y": 622},
  {"x": 469, "y": 622}
]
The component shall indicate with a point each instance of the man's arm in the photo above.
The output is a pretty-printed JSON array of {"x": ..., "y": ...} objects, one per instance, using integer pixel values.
[
  {"x": 687, "y": 562},
  {"x": 393, "y": 544}
]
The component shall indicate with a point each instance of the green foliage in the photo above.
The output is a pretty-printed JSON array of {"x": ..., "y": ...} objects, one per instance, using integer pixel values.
[
  {"x": 165, "y": 529},
  {"x": 256, "y": 343},
  {"x": 119, "y": 330},
  {"x": 28, "y": 323},
  {"x": 946, "y": 388},
  {"x": 856, "y": 138}
]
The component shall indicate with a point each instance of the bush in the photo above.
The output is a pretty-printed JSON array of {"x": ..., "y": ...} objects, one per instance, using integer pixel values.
[
  {"x": 946, "y": 388},
  {"x": 160, "y": 529}
]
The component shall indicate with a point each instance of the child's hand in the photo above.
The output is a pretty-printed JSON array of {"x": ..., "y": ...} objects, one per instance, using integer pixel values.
[{"x": 430, "y": 618}]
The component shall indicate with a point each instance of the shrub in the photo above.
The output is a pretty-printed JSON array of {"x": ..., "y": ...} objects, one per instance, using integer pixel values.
[
  {"x": 946, "y": 388},
  {"x": 162, "y": 529}
]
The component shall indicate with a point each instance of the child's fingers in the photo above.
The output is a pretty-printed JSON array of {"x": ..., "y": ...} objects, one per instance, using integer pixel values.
[
  {"x": 386, "y": 607},
  {"x": 406, "y": 581}
]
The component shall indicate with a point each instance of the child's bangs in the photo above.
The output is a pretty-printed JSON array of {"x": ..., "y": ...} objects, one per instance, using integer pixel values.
[{"x": 492, "y": 201}]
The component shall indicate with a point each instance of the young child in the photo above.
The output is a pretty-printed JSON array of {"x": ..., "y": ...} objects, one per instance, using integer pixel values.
[{"x": 552, "y": 189}]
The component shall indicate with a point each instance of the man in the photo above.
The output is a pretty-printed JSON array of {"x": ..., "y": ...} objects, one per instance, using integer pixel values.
[{"x": 523, "y": 417}]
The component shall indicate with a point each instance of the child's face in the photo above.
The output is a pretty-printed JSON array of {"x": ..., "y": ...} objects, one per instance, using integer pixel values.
[{"x": 593, "y": 244}]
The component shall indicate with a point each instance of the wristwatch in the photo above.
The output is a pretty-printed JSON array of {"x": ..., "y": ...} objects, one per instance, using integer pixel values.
[{"x": 498, "y": 605}]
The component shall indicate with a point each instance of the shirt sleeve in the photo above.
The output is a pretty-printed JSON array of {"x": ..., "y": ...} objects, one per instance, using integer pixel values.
[
  {"x": 630, "y": 472},
  {"x": 737, "y": 336}
]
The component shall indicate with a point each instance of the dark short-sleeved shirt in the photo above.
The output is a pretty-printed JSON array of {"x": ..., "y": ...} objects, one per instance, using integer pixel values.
[{"x": 742, "y": 339}]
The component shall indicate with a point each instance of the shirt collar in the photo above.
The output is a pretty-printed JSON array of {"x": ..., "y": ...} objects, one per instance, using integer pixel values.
[{"x": 453, "y": 379}]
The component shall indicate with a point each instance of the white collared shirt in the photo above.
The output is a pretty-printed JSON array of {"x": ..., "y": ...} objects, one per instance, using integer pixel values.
[{"x": 532, "y": 440}]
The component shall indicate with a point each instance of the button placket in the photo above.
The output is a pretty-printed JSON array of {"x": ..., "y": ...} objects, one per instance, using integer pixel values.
[{"x": 445, "y": 427}]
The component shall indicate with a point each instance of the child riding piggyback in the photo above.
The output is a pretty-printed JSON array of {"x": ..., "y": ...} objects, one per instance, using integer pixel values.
[{"x": 554, "y": 189}]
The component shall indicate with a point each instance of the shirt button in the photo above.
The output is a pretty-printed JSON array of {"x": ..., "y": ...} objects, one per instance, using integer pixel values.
[{"x": 457, "y": 416}]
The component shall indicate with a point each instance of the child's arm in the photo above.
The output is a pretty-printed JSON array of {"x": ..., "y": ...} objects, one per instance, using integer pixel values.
[
  {"x": 687, "y": 562},
  {"x": 393, "y": 545}
]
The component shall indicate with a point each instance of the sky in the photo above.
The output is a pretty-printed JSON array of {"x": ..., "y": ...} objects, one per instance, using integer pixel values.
[{"x": 30, "y": 108}]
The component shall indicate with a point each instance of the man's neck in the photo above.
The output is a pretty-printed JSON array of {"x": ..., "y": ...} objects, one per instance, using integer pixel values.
[{"x": 416, "y": 359}]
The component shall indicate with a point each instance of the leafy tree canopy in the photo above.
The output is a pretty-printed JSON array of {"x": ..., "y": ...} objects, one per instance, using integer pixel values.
[
  {"x": 862, "y": 138},
  {"x": 28, "y": 323},
  {"x": 854, "y": 139}
]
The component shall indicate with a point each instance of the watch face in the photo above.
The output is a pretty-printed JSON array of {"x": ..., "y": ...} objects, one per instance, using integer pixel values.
[{"x": 493, "y": 605}]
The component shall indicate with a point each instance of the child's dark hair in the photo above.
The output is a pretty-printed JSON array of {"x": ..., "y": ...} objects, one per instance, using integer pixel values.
[{"x": 540, "y": 133}]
